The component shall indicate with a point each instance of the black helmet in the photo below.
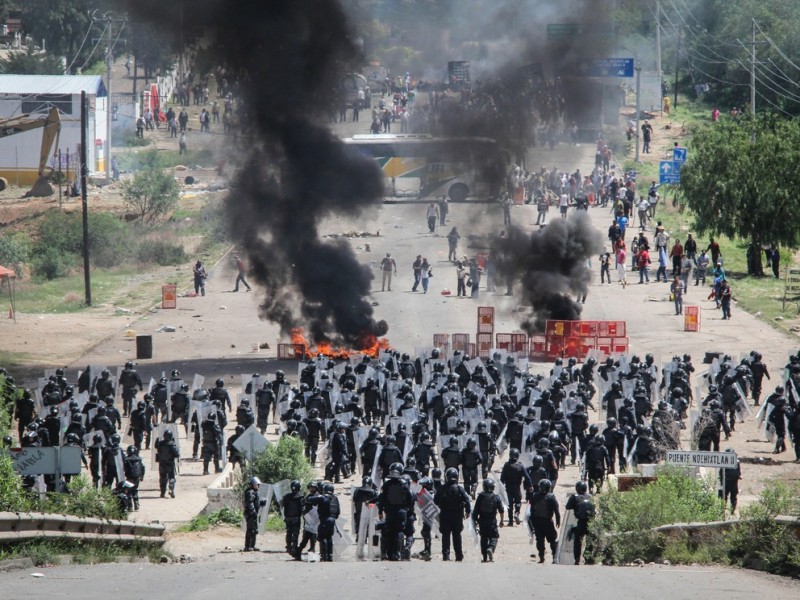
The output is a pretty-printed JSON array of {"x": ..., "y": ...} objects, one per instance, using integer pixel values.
[
  {"x": 581, "y": 487},
  {"x": 513, "y": 455},
  {"x": 140, "y": 405},
  {"x": 128, "y": 365},
  {"x": 390, "y": 439},
  {"x": 425, "y": 483},
  {"x": 240, "y": 429},
  {"x": 295, "y": 486},
  {"x": 436, "y": 473},
  {"x": 543, "y": 443},
  {"x": 279, "y": 374},
  {"x": 105, "y": 374},
  {"x": 616, "y": 386},
  {"x": 488, "y": 485},
  {"x": 396, "y": 469},
  {"x": 327, "y": 488},
  {"x": 536, "y": 461},
  {"x": 451, "y": 475},
  {"x": 611, "y": 422},
  {"x": 453, "y": 442},
  {"x": 168, "y": 434},
  {"x": 115, "y": 439},
  {"x": 366, "y": 481},
  {"x": 132, "y": 450},
  {"x": 354, "y": 422},
  {"x": 185, "y": 387},
  {"x": 714, "y": 404},
  {"x": 72, "y": 438},
  {"x": 779, "y": 389},
  {"x": 175, "y": 373},
  {"x": 471, "y": 443},
  {"x": 545, "y": 486},
  {"x": 220, "y": 383},
  {"x": 97, "y": 438},
  {"x": 254, "y": 481}
]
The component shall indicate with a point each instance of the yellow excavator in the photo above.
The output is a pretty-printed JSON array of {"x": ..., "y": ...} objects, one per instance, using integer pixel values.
[{"x": 51, "y": 124}]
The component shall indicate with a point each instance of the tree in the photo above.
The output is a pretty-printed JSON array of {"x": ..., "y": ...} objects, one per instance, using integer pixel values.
[
  {"x": 30, "y": 62},
  {"x": 151, "y": 194},
  {"x": 742, "y": 181}
]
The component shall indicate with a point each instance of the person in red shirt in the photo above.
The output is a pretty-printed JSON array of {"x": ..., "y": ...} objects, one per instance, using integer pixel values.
[{"x": 675, "y": 254}]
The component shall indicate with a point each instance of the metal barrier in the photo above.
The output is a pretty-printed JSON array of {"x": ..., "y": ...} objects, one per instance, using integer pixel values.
[{"x": 17, "y": 527}]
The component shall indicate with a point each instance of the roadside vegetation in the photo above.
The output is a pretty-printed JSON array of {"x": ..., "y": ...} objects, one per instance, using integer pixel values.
[
  {"x": 684, "y": 211},
  {"x": 622, "y": 532}
]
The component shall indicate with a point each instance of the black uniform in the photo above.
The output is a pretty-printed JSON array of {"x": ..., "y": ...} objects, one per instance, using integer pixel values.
[
  {"x": 293, "y": 504},
  {"x": 328, "y": 510},
  {"x": 129, "y": 380},
  {"x": 251, "y": 505},
  {"x": 597, "y": 462},
  {"x": 543, "y": 508},
  {"x": 484, "y": 513},
  {"x": 166, "y": 454},
  {"x": 265, "y": 401},
  {"x": 396, "y": 501},
  {"x": 512, "y": 476},
  {"x": 454, "y": 507},
  {"x": 134, "y": 473},
  {"x": 583, "y": 507},
  {"x": 732, "y": 477},
  {"x": 212, "y": 443}
]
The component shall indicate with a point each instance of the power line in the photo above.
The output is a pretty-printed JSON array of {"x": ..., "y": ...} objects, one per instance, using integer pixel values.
[
  {"x": 774, "y": 45},
  {"x": 99, "y": 39},
  {"x": 77, "y": 54}
]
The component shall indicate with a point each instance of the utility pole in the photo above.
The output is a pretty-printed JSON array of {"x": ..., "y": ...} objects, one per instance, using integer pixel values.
[
  {"x": 638, "y": 110},
  {"x": 753, "y": 73},
  {"x": 84, "y": 199},
  {"x": 109, "y": 20},
  {"x": 658, "y": 38},
  {"x": 677, "y": 66}
]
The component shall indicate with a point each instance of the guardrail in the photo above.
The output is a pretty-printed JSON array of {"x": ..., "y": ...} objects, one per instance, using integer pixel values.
[{"x": 18, "y": 527}]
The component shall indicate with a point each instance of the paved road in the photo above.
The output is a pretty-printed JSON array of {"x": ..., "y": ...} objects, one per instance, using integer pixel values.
[{"x": 212, "y": 581}]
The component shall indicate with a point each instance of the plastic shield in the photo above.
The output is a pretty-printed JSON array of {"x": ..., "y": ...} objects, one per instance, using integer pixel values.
[
  {"x": 501, "y": 491},
  {"x": 564, "y": 554},
  {"x": 197, "y": 382},
  {"x": 341, "y": 539},
  {"x": 264, "y": 493},
  {"x": 311, "y": 521},
  {"x": 158, "y": 433},
  {"x": 365, "y": 549},
  {"x": 472, "y": 532},
  {"x": 427, "y": 509}
]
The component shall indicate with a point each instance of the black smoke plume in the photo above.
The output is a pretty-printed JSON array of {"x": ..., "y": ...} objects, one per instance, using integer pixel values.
[
  {"x": 287, "y": 57},
  {"x": 551, "y": 266}
]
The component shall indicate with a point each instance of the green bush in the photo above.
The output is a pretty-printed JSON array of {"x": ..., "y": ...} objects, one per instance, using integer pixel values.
[
  {"x": 60, "y": 242},
  {"x": 7, "y": 400},
  {"x": 131, "y": 140},
  {"x": 13, "y": 497},
  {"x": 51, "y": 264},
  {"x": 15, "y": 251},
  {"x": 224, "y": 516},
  {"x": 151, "y": 194},
  {"x": 161, "y": 253},
  {"x": 83, "y": 500},
  {"x": 622, "y": 531},
  {"x": 758, "y": 541},
  {"x": 282, "y": 460}
]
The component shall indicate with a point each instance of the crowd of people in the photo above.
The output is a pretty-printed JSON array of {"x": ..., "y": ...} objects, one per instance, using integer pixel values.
[{"x": 422, "y": 432}]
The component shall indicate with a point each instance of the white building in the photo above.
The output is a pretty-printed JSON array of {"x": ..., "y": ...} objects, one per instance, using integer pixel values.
[{"x": 36, "y": 94}]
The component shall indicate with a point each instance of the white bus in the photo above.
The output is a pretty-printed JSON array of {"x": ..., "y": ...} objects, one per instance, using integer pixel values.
[{"x": 428, "y": 167}]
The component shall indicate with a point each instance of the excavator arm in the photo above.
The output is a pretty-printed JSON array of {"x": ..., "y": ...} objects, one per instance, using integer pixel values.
[{"x": 51, "y": 125}]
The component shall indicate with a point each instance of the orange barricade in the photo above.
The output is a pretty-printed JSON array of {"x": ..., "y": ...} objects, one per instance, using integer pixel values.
[
  {"x": 691, "y": 318},
  {"x": 519, "y": 343},
  {"x": 604, "y": 344},
  {"x": 537, "y": 345},
  {"x": 483, "y": 344},
  {"x": 460, "y": 341},
  {"x": 619, "y": 345},
  {"x": 169, "y": 296},
  {"x": 503, "y": 341}
]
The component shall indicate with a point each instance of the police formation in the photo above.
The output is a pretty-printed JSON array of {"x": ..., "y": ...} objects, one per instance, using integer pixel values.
[
  {"x": 433, "y": 425},
  {"x": 422, "y": 433}
]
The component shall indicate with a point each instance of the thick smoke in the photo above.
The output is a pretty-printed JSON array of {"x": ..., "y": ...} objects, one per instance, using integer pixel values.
[
  {"x": 287, "y": 56},
  {"x": 551, "y": 266}
]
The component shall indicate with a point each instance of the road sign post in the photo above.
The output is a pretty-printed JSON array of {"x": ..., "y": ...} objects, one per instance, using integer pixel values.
[
  {"x": 701, "y": 458},
  {"x": 669, "y": 172},
  {"x": 679, "y": 154},
  {"x": 605, "y": 67}
]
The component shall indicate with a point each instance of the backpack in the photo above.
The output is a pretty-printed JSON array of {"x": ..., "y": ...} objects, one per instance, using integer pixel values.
[
  {"x": 135, "y": 467},
  {"x": 584, "y": 510}
]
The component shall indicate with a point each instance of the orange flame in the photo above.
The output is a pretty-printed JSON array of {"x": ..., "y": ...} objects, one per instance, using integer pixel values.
[{"x": 370, "y": 345}]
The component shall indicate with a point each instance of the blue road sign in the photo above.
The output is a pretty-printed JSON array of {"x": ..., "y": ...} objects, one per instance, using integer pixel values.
[
  {"x": 669, "y": 171},
  {"x": 606, "y": 67},
  {"x": 679, "y": 154}
]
